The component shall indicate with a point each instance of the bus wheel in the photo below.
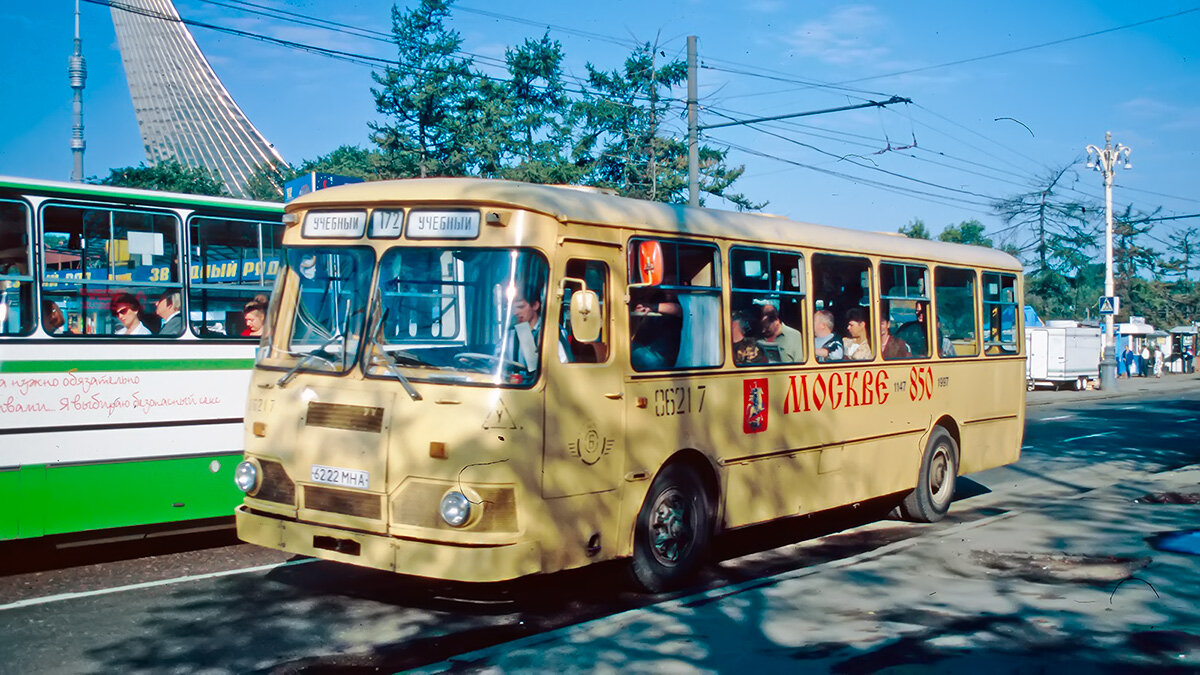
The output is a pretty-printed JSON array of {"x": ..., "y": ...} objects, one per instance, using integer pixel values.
[
  {"x": 673, "y": 530},
  {"x": 935, "y": 484}
]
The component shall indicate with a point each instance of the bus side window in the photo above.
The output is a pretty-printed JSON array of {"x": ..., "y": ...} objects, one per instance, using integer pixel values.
[
  {"x": 595, "y": 274},
  {"x": 105, "y": 268},
  {"x": 767, "y": 313},
  {"x": 675, "y": 311},
  {"x": 16, "y": 281},
  {"x": 234, "y": 264},
  {"x": 954, "y": 292},
  {"x": 905, "y": 291},
  {"x": 999, "y": 313},
  {"x": 842, "y": 286}
]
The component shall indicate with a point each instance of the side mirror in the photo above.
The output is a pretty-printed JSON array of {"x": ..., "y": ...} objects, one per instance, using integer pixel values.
[{"x": 586, "y": 317}]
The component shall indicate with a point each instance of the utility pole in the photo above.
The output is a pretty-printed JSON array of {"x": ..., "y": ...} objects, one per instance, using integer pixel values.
[
  {"x": 693, "y": 132},
  {"x": 694, "y": 128},
  {"x": 1105, "y": 161},
  {"x": 77, "y": 72}
]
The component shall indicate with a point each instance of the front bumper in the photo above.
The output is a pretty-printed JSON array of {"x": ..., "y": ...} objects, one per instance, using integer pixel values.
[{"x": 436, "y": 560}]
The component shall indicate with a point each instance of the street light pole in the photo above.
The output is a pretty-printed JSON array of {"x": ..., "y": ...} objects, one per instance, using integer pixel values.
[{"x": 1105, "y": 160}]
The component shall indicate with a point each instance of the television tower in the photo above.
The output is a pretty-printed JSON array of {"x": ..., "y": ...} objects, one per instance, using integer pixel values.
[{"x": 77, "y": 71}]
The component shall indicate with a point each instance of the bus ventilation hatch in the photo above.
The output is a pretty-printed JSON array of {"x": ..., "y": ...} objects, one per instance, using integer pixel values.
[{"x": 349, "y": 417}]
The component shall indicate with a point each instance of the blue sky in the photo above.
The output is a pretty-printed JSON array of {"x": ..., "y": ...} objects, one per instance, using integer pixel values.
[{"x": 983, "y": 128}]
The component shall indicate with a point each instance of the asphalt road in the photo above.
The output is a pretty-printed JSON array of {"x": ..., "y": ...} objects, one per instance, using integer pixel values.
[{"x": 237, "y": 608}]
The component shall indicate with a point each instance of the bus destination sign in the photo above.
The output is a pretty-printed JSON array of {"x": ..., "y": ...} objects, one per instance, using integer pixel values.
[
  {"x": 334, "y": 224},
  {"x": 443, "y": 225}
]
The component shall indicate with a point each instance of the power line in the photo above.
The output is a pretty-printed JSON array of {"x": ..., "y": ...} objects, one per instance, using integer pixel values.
[{"x": 1009, "y": 52}]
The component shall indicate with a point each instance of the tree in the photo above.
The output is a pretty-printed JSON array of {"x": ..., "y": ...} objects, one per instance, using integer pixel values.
[
  {"x": 425, "y": 96},
  {"x": 624, "y": 144},
  {"x": 915, "y": 229},
  {"x": 539, "y": 137},
  {"x": 168, "y": 176},
  {"x": 1052, "y": 233},
  {"x": 967, "y": 232}
]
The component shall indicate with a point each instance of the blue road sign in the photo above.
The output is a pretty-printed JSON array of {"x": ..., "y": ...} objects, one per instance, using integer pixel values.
[{"x": 1109, "y": 304}]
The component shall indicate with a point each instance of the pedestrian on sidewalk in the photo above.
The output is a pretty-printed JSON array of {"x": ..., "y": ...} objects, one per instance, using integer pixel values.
[
  {"x": 1129, "y": 360},
  {"x": 1144, "y": 360},
  {"x": 1158, "y": 361}
]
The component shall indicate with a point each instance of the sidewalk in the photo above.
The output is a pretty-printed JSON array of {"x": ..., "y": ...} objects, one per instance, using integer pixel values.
[
  {"x": 1037, "y": 586},
  {"x": 1134, "y": 386}
]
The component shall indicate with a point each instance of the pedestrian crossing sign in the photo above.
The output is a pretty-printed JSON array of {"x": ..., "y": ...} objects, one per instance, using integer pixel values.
[{"x": 1109, "y": 304}]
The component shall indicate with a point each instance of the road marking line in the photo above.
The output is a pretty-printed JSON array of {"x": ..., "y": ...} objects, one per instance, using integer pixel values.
[
  {"x": 148, "y": 584},
  {"x": 1059, "y": 417},
  {"x": 1080, "y": 438}
]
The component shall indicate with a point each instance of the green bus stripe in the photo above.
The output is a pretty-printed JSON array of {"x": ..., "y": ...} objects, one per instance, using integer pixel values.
[{"x": 111, "y": 365}]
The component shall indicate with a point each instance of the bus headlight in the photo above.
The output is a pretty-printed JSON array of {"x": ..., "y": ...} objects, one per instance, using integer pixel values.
[
  {"x": 246, "y": 476},
  {"x": 455, "y": 509}
]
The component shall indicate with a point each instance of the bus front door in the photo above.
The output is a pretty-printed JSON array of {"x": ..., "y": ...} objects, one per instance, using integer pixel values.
[{"x": 584, "y": 448}]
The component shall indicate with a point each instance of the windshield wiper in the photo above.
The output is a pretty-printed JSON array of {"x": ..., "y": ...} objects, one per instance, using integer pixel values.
[
  {"x": 304, "y": 360},
  {"x": 388, "y": 361}
]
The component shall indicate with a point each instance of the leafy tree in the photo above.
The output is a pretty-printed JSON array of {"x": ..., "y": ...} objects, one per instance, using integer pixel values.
[
  {"x": 624, "y": 144},
  {"x": 915, "y": 229},
  {"x": 966, "y": 232},
  {"x": 168, "y": 176},
  {"x": 539, "y": 137},
  {"x": 425, "y": 96}
]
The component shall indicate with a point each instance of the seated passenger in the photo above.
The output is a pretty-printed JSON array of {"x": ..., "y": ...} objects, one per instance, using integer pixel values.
[
  {"x": 827, "y": 345},
  {"x": 858, "y": 345},
  {"x": 745, "y": 349},
  {"x": 167, "y": 308},
  {"x": 127, "y": 310},
  {"x": 255, "y": 315},
  {"x": 53, "y": 320},
  {"x": 891, "y": 346},
  {"x": 656, "y": 325},
  {"x": 788, "y": 340}
]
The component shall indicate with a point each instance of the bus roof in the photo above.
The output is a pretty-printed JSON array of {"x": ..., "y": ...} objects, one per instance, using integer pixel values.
[
  {"x": 594, "y": 206},
  {"x": 64, "y": 189}
]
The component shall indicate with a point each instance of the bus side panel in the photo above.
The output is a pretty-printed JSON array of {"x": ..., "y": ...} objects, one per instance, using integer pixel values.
[
  {"x": 101, "y": 496},
  {"x": 991, "y": 435},
  {"x": 22, "y": 502}
]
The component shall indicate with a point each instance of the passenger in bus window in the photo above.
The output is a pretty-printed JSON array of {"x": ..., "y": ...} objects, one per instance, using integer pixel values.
[
  {"x": 127, "y": 310},
  {"x": 657, "y": 321},
  {"x": 827, "y": 346},
  {"x": 745, "y": 348},
  {"x": 254, "y": 316},
  {"x": 858, "y": 345},
  {"x": 890, "y": 346},
  {"x": 167, "y": 308},
  {"x": 776, "y": 333},
  {"x": 52, "y": 318}
]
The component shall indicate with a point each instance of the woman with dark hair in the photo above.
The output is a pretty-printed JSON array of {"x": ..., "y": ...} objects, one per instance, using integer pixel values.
[{"x": 127, "y": 310}]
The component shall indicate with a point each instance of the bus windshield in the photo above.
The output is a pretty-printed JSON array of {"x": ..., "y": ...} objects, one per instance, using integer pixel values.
[
  {"x": 333, "y": 286},
  {"x": 459, "y": 314}
]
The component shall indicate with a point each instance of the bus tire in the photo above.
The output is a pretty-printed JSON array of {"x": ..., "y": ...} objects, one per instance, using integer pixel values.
[
  {"x": 935, "y": 484},
  {"x": 673, "y": 531}
]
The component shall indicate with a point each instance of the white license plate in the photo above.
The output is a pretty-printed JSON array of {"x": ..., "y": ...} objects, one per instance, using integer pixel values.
[{"x": 332, "y": 475}]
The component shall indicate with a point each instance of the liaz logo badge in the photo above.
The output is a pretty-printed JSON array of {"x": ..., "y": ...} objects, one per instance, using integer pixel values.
[{"x": 755, "y": 402}]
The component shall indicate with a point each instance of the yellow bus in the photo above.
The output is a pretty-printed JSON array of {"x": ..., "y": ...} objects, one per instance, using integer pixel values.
[{"x": 480, "y": 380}]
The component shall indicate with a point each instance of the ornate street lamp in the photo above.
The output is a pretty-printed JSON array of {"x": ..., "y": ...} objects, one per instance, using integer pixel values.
[{"x": 1105, "y": 160}]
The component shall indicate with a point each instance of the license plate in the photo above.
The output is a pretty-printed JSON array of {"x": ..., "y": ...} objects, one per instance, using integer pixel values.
[{"x": 332, "y": 475}]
